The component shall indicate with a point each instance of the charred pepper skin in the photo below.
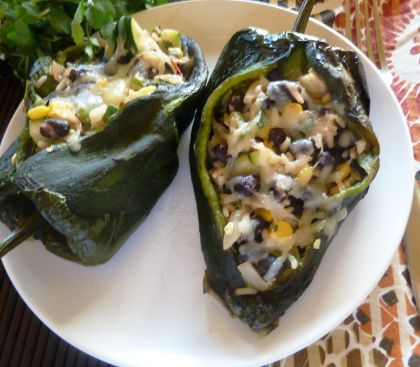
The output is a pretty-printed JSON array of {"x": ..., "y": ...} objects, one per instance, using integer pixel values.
[
  {"x": 252, "y": 52},
  {"x": 91, "y": 200}
]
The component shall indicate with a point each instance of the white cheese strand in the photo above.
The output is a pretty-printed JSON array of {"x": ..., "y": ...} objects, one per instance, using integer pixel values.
[{"x": 251, "y": 276}]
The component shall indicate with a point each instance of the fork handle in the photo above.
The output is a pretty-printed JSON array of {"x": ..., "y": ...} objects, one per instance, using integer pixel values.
[{"x": 303, "y": 16}]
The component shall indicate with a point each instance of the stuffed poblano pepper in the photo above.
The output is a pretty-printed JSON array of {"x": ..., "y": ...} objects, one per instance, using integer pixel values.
[
  {"x": 100, "y": 142},
  {"x": 281, "y": 153}
]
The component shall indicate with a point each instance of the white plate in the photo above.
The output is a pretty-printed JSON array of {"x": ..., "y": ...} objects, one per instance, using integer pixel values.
[{"x": 145, "y": 307}]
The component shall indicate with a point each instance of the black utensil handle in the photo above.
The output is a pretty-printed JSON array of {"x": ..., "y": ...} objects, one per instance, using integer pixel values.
[{"x": 303, "y": 16}]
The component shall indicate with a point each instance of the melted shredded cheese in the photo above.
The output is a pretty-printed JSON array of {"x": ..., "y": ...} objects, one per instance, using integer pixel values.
[{"x": 283, "y": 155}]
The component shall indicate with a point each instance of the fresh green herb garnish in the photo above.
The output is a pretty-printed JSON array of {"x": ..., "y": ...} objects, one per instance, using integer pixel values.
[{"x": 33, "y": 28}]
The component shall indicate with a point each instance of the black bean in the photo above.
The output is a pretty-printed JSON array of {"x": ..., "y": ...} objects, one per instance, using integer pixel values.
[
  {"x": 261, "y": 224},
  {"x": 302, "y": 147},
  {"x": 73, "y": 75},
  {"x": 278, "y": 92},
  {"x": 236, "y": 103},
  {"x": 61, "y": 127},
  {"x": 46, "y": 130},
  {"x": 325, "y": 159},
  {"x": 246, "y": 185},
  {"x": 297, "y": 205},
  {"x": 220, "y": 153},
  {"x": 264, "y": 264},
  {"x": 277, "y": 136}
]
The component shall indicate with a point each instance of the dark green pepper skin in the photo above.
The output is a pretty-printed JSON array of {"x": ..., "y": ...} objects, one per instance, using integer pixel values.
[
  {"x": 92, "y": 199},
  {"x": 250, "y": 53}
]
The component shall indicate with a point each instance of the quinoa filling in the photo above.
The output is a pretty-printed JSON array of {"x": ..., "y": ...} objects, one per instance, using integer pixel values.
[
  {"x": 85, "y": 96},
  {"x": 279, "y": 155}
]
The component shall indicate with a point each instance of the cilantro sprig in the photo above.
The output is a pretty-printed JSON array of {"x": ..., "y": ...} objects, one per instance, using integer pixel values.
[{"x": 30, "y": 29}]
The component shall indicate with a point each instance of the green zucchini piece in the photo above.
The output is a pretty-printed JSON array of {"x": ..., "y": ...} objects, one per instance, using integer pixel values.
[
  {"x": 83, "y": 203},
  {"x": 250, "y": 54},
  {"x": 171, "y": 37}
]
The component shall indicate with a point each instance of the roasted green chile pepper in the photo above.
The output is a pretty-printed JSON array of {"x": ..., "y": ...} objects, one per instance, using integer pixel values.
[
  {"x": 100, "y": 143},
  {"x": 281, "y": 152}
]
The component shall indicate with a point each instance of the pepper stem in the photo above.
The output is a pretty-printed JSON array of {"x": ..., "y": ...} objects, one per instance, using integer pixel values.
[
  {"x": 20, "y": 234},
  {"x": 303, "y": 16}
]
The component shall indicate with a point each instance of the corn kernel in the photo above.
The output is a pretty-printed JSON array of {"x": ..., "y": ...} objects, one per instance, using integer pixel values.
[
  {"x": 38, "y": 113},
  {"x": 305, "y": 175},
  {"x": 264, "y": 214},
  {"x": 283, "y": 229},
  {"x": 334, "y": 190},
  {"x": 293, "y": 106},
  {"x": 342, "y": 171}
]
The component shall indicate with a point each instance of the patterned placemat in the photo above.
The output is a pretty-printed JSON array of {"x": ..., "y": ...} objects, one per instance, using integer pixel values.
[{"x": 383, "y": 331}]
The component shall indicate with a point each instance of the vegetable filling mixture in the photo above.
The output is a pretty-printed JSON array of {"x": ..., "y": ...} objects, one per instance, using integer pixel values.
[
  {"x": 280, "y": 156},
  {"x": 77, "y": 98}
]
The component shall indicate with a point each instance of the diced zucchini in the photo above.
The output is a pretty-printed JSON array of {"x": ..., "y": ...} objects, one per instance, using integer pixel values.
[
  {"x": 171, "y": 38},
  {"x": 246, "y": 164},
  {"x": 142, "y": 38}
]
